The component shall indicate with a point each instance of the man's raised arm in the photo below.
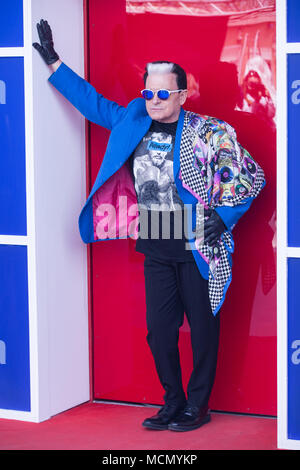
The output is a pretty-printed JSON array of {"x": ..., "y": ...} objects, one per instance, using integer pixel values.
[{"x": 74, "y": 88}]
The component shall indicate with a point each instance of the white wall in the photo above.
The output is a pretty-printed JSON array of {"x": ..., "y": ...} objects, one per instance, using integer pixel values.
[
  {"x": 59, "y": 194},
  {"x": 55, "y": 194},
  {"x": 284, "y": 252}
]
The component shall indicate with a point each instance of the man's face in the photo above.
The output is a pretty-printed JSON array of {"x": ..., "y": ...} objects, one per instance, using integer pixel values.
[
  {"x": 164, "y": 110},
  {"x": 158, "y": 155}
]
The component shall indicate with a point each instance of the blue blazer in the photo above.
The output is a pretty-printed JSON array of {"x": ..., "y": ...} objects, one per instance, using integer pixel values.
[{"x": 128, "y": 125}]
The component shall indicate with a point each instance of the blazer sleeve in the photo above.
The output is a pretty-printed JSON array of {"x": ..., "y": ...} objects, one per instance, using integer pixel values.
[
  {"x": 91, "y": 104},
  {"x": 230, "y": 214}
]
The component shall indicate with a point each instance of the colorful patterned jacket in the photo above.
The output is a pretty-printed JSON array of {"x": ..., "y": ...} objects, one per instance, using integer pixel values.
[{"x": 211, "y": 170}]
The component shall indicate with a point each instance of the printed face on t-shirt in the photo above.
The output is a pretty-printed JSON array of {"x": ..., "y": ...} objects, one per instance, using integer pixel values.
[
  {"x": 153, "y": 172},
  {"x": 159, "y": 147}
]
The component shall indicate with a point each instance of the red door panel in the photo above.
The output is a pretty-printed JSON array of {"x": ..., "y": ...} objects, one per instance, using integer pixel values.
[{"x": 217, "y": 53}]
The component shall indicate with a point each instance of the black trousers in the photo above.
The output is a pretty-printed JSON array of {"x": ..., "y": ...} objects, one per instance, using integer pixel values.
[{"x": 172, "y": 289}]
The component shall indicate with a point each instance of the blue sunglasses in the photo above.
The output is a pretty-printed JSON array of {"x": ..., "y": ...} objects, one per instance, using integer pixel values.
[{"x": 162, "y": 94}]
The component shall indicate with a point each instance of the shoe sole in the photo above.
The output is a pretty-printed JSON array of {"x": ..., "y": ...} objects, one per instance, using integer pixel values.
[
  {"x": 156, "y": 427},
  {"x": 189, "y": 428}
]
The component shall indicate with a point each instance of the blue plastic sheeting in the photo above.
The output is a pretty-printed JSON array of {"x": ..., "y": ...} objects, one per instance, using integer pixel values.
[
  {"x": 293, "y": 18},
  {"x": 293, "y": 348},
  {"x": 293, "y": 150},
  {"x": 12, "y": 147},
  {"x": 11, "y": 23},
  {"x": 14, "y": 329}
]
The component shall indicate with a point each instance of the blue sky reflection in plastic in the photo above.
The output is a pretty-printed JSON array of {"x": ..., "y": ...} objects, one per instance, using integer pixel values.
[
  {"x": 12, "y": 147},
  {"x": 14, "y": 329},
  {"x": 14, "y": 313},
  {"x": 293, "y": 340},
  {"x": 293, "y": 15},
  {"x": 11, "y": 23},
  {"x": 293, "y": 348},
  {"x": 293, "y": 149}
]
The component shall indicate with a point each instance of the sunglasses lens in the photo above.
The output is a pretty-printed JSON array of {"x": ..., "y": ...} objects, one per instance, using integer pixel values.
[
  {"x": 163, "y": 94},
  {"x": 147, "y": 94}
]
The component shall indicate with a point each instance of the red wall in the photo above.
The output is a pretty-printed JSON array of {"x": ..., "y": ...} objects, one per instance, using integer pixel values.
[{"x": 216, "y": 53}]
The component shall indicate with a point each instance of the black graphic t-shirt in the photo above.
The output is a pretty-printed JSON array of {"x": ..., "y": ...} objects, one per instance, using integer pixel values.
[{"x": 161, "y": 229}]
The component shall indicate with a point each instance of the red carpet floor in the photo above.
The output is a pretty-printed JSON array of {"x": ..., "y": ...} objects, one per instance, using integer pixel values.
[{"x": 95, "y": 426}]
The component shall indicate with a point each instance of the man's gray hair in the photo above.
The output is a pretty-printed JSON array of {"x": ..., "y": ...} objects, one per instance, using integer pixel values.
[{"x": 163, "y": 67}]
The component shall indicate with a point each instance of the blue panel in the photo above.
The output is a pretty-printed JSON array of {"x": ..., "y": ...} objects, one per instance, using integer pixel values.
[
  {"x": 293, "y": 20},
  {"x": 293, "y": 348},
  {"x": 293, "y": 149},
  {"x": 11, "y": 23},
  {"x": 14, "y": 329},
  {"x": 12, "y": 147}
]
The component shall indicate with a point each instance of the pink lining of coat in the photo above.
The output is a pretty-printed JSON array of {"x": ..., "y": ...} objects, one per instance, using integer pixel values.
[{"x": 115, "y": 208}]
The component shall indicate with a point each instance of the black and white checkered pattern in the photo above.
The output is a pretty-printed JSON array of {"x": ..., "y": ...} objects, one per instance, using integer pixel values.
[
  {"x": 218, "y": 282},
  {"x": 219, "y": 257},
  {"x": 219, "y": 269},
  {"x": 189, "y": 174}
]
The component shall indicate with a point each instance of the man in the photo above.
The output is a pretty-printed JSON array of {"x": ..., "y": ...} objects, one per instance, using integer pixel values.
[{"x": 189, "y": 273}]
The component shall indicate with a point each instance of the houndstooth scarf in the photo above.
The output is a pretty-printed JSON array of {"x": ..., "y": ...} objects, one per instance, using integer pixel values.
[{"x": 219, "y": 172}]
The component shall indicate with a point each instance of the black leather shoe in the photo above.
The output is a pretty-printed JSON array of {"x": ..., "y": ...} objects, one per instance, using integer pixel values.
[
  {"x": 191, "y": 417},
  {"x": 165, "y": 415}
]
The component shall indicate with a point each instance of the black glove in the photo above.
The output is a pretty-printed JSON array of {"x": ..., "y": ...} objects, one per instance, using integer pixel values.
[
  {"x": 46, "y": 47},
  {"x": 213, "y": 228}
]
